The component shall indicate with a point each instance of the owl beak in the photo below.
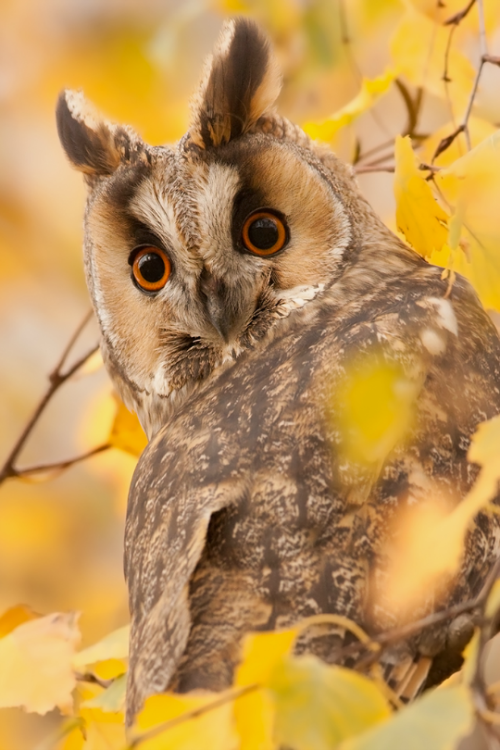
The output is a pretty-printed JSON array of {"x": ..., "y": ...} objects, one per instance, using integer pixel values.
[{"x": 222, "y": 309}]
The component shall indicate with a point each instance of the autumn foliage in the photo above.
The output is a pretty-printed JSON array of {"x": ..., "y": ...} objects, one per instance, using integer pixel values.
[{"x": 408, "y": 93}]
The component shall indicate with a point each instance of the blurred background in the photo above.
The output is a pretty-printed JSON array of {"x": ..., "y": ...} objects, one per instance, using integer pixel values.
[{"x": 139, "y": 62}]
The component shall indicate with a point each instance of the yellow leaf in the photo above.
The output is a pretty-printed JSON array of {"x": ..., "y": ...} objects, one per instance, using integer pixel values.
[
  {"x": 318, "y": 706},
  {"x": 435, "y": 722},
  {"x": 211, "y": 730},
  {"x": 479, "y": 130},
  {"x": 418, "y": 50},
  {"x": 261, "y": 653},
  {"x": 126, "y": 432},
  {"x": 371, "y": 91},
  {"x": 254, "y": 712},
  {"x": 471, "y": 186},
  {"x": 375, "y": 402},
  {"x": 112, "y": 699},
  {"x": 14, "y": 617},
  {"x": 418, "y": 216},
  {"x": 423, "y": 557},
  {"x": 36, "y": 663},
  {"x": 254, "y": 715},
  {"x": 112, "y": 646}
]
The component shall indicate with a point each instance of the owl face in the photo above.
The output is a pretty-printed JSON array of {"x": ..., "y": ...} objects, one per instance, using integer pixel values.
[{"x": 197, "y": 253}]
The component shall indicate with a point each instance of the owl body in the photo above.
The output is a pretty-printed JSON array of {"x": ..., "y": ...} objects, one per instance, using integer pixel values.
[{"x": 242, "y": 284}]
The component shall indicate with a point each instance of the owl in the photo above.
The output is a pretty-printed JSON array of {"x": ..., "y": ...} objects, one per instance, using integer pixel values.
[{"x": 241, "y": 282}]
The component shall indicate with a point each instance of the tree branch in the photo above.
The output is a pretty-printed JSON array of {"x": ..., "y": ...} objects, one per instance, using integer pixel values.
[{"x": 56, "y": 378}]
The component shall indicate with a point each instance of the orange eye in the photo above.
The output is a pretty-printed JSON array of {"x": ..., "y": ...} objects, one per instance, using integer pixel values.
[
  {"x": 264, "y": 233},
  {"x": 151, "y": 268}
]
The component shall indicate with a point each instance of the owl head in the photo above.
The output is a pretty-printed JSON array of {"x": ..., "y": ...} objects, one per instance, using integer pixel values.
[{"x": 196, "y": 253}]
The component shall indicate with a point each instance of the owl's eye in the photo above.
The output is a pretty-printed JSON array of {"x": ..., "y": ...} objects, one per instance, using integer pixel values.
[
  {"x": 264, "y": 233},
  {"x": 151, "y": 268}
]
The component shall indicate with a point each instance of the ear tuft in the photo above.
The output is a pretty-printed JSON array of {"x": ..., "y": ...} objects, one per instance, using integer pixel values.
[
  {"x": 94, "y": 146},
  {"x": 241, "y": 83}
]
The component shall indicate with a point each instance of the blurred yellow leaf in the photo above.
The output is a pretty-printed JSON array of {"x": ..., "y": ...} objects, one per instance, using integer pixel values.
[
  {"x": 112, "y": 699},
  {"x": 112, "y": 646},
  {"x": 418, "y": 50},
  {"x": 14, "y": 617},
  {"x": 254, "y": 712},
  {"x": 261, "y": 653},
  {"x": 126, "y": 432},
  {"x": 36, "y": 668},
  {"x": 472, "y": 188},
  {"x": 211, "y": 730},
  {"x": 435, "y": 722},
  {"x": 371, "y": 91},
  {"x": 318, "y": 706},
  {"x": 376, "y": 406},
  {"x": 423, "y": 555},
  {"x": 418, "y": 216},
  {"x": 103, "y": 730}
]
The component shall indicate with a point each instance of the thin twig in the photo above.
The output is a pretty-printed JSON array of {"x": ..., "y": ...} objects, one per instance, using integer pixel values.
[
  {"x": 94, "y": 679},
  {"x": 367, "y": 169},
  {"x": 446, "y": 142},
  {"x": 57, "y": 466},
  {"x": 56, "y": 378},
  {"x": 456, "y": 18}
]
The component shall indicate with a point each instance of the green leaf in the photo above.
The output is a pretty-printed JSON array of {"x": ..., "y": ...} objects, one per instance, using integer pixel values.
[
  {"x": 435, "y": 722},
  {"x": 318, "y": 706}
]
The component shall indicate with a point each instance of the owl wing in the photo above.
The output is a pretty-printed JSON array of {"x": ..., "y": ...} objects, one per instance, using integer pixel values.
[{"x": 171, "y": 501}]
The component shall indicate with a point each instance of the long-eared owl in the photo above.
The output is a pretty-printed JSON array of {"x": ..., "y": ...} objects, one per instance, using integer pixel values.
[{"x": 240, "y": 280}]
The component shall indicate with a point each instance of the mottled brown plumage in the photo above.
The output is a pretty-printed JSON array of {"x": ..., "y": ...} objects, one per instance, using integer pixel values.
[{"x": 245, "y": 512}]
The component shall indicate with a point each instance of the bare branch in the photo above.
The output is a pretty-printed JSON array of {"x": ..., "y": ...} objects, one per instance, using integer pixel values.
[
  {"x": 446, "y": 142},
  {"x": 455, "y": 19},
  {"x": 373, "y": 168},
  {"x": 56, "y": 378},
  {"x": 57, "y": 466}
]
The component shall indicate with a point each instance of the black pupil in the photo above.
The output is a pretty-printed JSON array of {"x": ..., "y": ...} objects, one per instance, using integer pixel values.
[
  {"x": 151, "y": 267},
  {"x": 263, "y": 233}
]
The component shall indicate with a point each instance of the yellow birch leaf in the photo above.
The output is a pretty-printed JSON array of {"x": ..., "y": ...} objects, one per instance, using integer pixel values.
[
  {"x": 261, "y": 653},
  {"x": 36, "y": 668},
  {"x": 254, "y": 712},
  {"x": 479, "y": 130},
  {"x": 211, "y": 730},
  {"x": 471, "y": 186},
  {"x": 111, "y": 700},
  {"x": 418, "y": 50},
  {"x": 371, "y": 91},
  {"x": 418, "y": 216},
  {"x": 376, "y": 405},
  {"x": 318, "y": 706},
  {"x": 437, "y": 721},
  {"x": 103, "y": 730},
  {"x": 126, "y": 431},
  {"x": 112, "y": 646},
  {"x": 254, "y": 715},
  {"x": 421, "y": 535},
  {"x": 14, "y": 617}
]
